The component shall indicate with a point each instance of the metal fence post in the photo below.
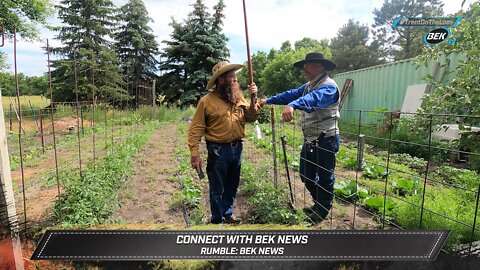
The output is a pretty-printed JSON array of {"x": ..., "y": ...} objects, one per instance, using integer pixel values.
[
  {"x": 426, "y": 170},
  {"x": 361, "y": 149},
  {"x": 275, "y": 169}
]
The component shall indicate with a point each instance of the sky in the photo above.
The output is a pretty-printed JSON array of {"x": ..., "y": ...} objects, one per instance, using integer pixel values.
[{"x": 270, "y": 23}]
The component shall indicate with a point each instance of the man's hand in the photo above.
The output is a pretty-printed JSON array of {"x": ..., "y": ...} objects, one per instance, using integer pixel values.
[
  {"x": 196, "y": 163},
  {"x": 253, "y": 89},
  {"x": 262, "y": 102},
  {"x": 287, "y": 114}
]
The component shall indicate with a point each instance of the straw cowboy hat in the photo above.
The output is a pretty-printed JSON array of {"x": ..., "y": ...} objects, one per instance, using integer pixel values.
[
  {"x": 219, "y": 69},
  {"x": 316, "y": 57}
]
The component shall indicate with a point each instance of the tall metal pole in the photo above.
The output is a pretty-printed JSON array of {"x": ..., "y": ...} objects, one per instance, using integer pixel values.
[
  {"x": 52, "y": 112},
  {"x": 20, "y": 127},
  {"x": 253, "y": 97},
  {"x": 75, "y": 76}
]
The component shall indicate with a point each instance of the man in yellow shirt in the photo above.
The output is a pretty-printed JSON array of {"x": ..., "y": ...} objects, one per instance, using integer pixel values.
[{"x": 220, "y": 117}]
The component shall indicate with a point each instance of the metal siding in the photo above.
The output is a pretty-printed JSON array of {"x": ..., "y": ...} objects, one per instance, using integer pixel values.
[{"x": 384, "y": 86}]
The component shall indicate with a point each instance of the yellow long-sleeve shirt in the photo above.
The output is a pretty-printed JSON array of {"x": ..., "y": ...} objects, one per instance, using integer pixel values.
[{"x": 219, "y": 121}]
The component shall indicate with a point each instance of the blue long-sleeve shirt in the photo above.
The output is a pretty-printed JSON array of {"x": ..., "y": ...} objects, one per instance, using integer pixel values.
[{"x": 321, "y": 97}]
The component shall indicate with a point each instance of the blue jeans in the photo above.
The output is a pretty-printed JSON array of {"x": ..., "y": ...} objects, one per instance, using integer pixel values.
[
  {"x": 317, "y": 165},
  {"x": 223, "y": 170}
]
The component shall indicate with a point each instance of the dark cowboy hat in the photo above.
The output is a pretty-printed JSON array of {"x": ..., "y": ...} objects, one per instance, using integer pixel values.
[{"x": 316, "y": 57}]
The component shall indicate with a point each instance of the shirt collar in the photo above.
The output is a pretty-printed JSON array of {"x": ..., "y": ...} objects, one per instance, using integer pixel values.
[{"x": 319, "y": 79}]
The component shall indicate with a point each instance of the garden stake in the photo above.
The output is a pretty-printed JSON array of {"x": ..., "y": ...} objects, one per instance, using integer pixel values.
[
  {"x": 10, "y": 117},
  {"x": 41, "y": 129},
  {"x": 20, "y": 127},
  {"x": 274, "y": 145},
  {"x": 53, "y": 128},
  {"x": 75, "y": 76},
  {"x": 250, "y": 71},
  {"x": 284, "y": 142}
]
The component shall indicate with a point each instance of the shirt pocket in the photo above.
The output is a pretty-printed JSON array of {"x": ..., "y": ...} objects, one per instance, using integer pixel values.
[
  {"x": 239, "y": 113},
  {"x": 216, "y": 115}
]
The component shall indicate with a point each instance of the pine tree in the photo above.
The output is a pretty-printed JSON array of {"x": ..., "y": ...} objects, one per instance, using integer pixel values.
[
  {"x": 196, "y": 46},
  {"x": 350, "y": 50},
  {"x": 85, "y": 38},
  {"x": 136, "y": 46}
]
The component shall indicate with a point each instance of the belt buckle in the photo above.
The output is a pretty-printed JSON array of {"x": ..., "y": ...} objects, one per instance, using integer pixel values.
[{"x": 233, "y": 144}]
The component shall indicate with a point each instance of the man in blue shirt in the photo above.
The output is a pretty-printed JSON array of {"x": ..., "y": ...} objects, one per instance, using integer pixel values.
[{"x": 318, "y": 99}]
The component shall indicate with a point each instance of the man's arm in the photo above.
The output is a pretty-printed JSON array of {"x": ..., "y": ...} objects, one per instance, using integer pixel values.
[
  {"x": 319, "y": 98},
  {"x": 195, "y": 133},
  {"x": 286, "y": 97}
]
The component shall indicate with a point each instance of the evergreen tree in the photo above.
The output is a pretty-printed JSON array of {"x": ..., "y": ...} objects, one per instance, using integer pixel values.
[
  {"x": 196, "y": 46},
  {"x": 404, "y": 42},
  {"x": 350, "y": 50},
  {"x": 136, "y": 46},
  {"x": 85, "y": 37}
]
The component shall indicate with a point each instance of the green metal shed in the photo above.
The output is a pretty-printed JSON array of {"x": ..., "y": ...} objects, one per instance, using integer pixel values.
[{"x": 384, "y": 86}]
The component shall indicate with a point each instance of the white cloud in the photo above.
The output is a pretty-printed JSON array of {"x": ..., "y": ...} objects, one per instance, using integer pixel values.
[{"x": 270, "y": 23}]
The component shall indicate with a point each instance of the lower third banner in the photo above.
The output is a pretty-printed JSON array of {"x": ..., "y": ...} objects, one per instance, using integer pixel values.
[{"x": 239, "y": 245}]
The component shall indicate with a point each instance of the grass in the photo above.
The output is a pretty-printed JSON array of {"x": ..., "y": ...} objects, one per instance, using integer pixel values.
[{"x": 36, "y": 101}]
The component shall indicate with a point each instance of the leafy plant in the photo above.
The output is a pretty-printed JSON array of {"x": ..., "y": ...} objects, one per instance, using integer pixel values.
[
  {"x": 461, "y": 177},
  {"x": 415, "y": 163},
  {"x": 375, "y": 171},
  {"x": 404, "y": 186},
  {"x": 91, "y": 198},
  {"x": 269, "y": 205},
  {"x": 190, "y": 193},
  {"x": 444, "y": 208},
  {"x": 350, "y": 190},
  {"x": 377, "y": 204}
]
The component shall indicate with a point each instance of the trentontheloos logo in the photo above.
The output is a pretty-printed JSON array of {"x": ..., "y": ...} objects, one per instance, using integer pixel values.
[{"x": 438, "y": 34}]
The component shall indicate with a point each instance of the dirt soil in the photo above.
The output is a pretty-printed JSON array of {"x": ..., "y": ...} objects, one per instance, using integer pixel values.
[{"x": 148, "y": 193}]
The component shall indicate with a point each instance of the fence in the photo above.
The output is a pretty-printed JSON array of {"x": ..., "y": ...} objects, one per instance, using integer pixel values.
[
  {"x": 401, "y": 171},
  {"x": 56, "y": 143}
]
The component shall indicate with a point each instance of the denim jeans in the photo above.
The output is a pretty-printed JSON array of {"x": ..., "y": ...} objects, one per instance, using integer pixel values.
[
  {"x": 223, "y": 170},
  {"x": 317, "y": 165}
]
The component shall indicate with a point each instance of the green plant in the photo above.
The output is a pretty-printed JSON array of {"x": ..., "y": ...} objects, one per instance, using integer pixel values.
[
  {"x": 415, "y": 163},
  {"x": 404, "y": 186},
  {"x": 375, "y": 171},
  {"x": 190, "y": 193},
  {"x": 350, "y": 163},
  {"x": 470, "y": 142},
  {"x": 461, "y": 177},
  {"x": 350, "y": 190},
  {"x": 269, "y": 205},
  {"x": 377, "y": 204},
  {"x": 89, "y": 199},
  {"x": 444, "y": 208}
]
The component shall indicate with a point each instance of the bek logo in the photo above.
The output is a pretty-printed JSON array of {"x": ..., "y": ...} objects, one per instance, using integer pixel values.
[{"x": 436, "y": 36}]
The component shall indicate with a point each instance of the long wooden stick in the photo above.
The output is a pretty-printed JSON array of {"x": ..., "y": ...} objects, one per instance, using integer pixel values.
[{"x": 253, "y": 97}]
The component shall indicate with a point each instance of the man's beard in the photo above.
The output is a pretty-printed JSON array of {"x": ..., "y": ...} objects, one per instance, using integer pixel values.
[{"x": 231, "y": 92}]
